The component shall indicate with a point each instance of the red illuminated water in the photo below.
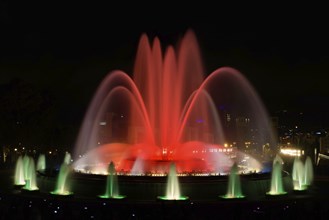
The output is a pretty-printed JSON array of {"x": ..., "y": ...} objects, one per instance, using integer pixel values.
[{"x": 169, "y": 112}]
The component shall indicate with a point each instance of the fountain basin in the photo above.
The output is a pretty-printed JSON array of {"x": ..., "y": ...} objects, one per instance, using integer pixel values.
[
  {"x": 65, "y": 193},
  {"x": 228, "y": 197},
  {"x": 148, "y": 188},
  {"x": 175, "y": 199},
  {"x": 270, "y": 194},
  {"x": 112, "y": 197}
]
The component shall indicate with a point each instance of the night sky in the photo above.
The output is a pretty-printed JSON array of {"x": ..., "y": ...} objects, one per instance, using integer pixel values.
[{"x": 68, "y": 49}]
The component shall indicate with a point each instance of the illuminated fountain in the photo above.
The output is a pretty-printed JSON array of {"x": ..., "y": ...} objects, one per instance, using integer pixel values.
[
  {"x": 173, "y": 189},
  {"x": 31, "y": 180},
  {"x": 298, "y": 175},
  {"x": 41, "y": 164},
  {"x": 62, "y": 185},
  {"x": 308, "y": 175},
  {"x": 19, "y": 179},
  {"x": 112, "y": 187},
  {"x": 302, "y": 174},
  {"x": 276, "y": 179},
  {"x": 278, "y": 159},
  {"x": 168, "y": 112},
  {"x": 234, "y": 186},
  {"x": 26, "y": 161},
  {"x": 137, "y": 169},
  {"x": 67, "y": 158}
]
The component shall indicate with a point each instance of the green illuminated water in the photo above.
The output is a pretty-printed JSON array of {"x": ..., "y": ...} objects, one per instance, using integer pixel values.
[
  {"x": 19, "y": 179},
  {"x": 276, "y": 179},
  {"x": 26, "y": 160},
  {"x": 112, "y": 187},
  {"x": 62, "y": 186},
  {"x": 308, "y": 171},
  {"x": 234, "y": 185},
  {"x": 30, "y": 181},
  {"x": 41, "y": 164},
  {"x": 67, "y": 158},
  {"x": 298, "y": 173},
  {"x": 173, "y": 189}
]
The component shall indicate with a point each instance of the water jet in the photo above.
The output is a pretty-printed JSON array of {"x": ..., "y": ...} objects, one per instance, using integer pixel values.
[
  {"x": 276, "y": 188},
  {"x": 173, "y": 188},
  {"x": 30, "y": 181},
  {"x": 112, "y": 187},
  {"x": 234, "y": 186},
  {"x": 19, "y": 179},
  {"x": 41, "y": 164},
  {"x": 62, "y": 185}
]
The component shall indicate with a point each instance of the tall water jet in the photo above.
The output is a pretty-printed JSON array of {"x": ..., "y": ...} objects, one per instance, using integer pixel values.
[
  {"x": 173, "y": 189},
  {"x": 19, "y": 172},
  {"x": 41, "y": 164},
  {"x": 234, "y": 186},
  {"x": 112, "y": 187},
  {"x": 277, "y": 159},
  {"x": 67, "y": 158},
  {"x": 62, "y": 185},
  {"x": 308, "y": 175},
  {"x": 298, "y": 173},
  {"x": 31, "y": 180},
  {"x": 26, "y": 161},
  {"x": 276, "y": 180}
]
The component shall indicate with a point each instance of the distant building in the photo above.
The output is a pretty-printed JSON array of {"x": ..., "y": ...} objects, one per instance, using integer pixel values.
[{"x": 243, "y": 131}]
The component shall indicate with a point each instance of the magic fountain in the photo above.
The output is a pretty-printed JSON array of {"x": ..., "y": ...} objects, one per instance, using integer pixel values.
[{"x": 168, "y": 112}]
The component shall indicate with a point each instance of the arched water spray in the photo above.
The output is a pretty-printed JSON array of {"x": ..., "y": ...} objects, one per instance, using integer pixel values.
[{"x": 168, "y": 107}]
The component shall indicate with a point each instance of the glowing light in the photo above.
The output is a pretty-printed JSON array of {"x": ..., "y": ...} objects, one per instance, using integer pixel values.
[{"x": 292, "y": 152}]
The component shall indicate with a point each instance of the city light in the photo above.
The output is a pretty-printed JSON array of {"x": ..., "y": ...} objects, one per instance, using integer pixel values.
[{"x": 292, "y": 152}]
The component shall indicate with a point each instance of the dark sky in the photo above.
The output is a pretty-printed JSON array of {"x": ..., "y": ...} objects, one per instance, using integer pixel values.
[{"x": 69, "y": 48}]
